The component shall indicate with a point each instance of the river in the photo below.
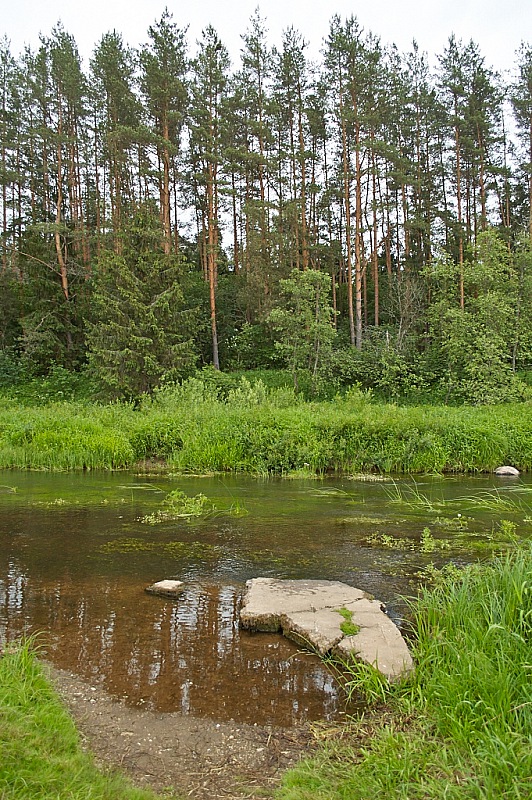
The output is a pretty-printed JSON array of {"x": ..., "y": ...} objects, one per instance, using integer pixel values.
[{"x": 76, "y": 556}]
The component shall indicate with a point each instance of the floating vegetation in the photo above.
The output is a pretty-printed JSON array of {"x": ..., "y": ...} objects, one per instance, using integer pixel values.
[
  {"x": 369, "y": 477},
  {"x": 178, "y": 505},
  {"x": 180, "y": 549},
  {"x": 360, "y": 521},
  {"x": 328, "y": 492},
  {"x": 142, "y": 487},
  {"x": 426, "y": 544},
  {"x": 59, "y": 501},
  {"x": 456, "y": 523},
  {"x": 390, "y": 542}
]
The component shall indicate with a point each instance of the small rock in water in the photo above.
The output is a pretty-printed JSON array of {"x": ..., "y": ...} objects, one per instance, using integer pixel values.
[
  {"x": 507, "y": 471},
  {"x": 166, "y": 588}
]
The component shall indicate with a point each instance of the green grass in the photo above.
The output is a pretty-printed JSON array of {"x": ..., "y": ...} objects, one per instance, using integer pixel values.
[
  {"x": 255, "y": 429},
  {"x": 462, "y": 726},
  {"x": 40, "y": 753}
]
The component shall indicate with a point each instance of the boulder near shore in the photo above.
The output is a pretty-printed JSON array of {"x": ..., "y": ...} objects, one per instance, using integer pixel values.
[{"x": 507, "y": 471}]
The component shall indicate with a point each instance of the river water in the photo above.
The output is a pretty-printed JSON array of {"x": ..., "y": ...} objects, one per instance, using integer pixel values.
[{"x": 76, "y": 556}]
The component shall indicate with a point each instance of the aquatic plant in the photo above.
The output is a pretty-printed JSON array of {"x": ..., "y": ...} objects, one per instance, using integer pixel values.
[
  {"x": 178, "y": 505},
  {"x": 426, "y": 544},
  {"x": 176, "y": 548}
]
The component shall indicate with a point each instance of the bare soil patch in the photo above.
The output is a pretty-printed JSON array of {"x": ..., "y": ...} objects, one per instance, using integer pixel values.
[{"x": 182, "y": 755}]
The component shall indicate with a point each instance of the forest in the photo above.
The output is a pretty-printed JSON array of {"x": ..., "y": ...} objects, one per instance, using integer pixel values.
[{"x": 365, "y": 220}]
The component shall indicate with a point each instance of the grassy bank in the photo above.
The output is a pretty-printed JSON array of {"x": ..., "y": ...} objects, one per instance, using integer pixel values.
[
  {"x": 40, "y": 753},
  {"x": 462, "y": 728},
  {"x": 258, "y": 430}
]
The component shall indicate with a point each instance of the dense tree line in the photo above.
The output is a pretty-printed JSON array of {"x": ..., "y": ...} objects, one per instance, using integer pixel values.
[{"x": 363, "y": 219}]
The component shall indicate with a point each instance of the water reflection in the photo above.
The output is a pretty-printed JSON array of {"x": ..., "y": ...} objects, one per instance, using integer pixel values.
[
  {"x": 67, "y": 569},
  {"x": 190, "y": 657}
]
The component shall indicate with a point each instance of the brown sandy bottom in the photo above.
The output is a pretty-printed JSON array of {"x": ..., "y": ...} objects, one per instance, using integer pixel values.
[{"x": 186, "y": 756}]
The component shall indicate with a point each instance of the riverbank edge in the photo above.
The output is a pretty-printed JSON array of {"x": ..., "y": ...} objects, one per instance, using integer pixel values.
[
  {"x": 186, "y": 433},
  {"x": 461, "y": 726},
  {"x": 42, "y": 752}
]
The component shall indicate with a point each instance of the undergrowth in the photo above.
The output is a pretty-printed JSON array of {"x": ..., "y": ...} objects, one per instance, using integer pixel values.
[
  {"x": 252, "y": 428},
  {"x": 461, "y": 726}
]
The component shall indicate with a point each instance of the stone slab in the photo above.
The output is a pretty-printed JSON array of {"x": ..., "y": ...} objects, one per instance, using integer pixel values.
[
  {"x": 166, "y": 588},
  {"x": 307, "y": 611}
]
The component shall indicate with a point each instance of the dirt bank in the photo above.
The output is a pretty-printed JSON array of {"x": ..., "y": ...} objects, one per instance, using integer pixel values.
[{"x": 188, "y": 756}]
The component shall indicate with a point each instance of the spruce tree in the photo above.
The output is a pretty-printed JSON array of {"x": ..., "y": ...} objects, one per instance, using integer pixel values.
[{"x": 140, "y": 333}]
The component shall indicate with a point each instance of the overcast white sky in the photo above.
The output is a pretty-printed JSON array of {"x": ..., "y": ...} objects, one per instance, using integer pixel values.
[{"x": 498, "y": 26}]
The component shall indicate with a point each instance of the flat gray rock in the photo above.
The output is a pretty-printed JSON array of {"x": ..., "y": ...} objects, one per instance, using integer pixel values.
[
  {"x": 308, "y": 611},
  {"x": 512, "y": 471},
  {"x": 166, "y": 588}
]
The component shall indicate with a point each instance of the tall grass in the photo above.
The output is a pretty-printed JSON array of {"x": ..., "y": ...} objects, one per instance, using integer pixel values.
[
  {"x": 40, "y": 753},
  {"x": 462, "y": 726},
  {"x": 263, "y": 430}
]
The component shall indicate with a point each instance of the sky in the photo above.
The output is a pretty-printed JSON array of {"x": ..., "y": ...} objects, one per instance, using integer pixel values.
[{"x": 497, "y": 26}]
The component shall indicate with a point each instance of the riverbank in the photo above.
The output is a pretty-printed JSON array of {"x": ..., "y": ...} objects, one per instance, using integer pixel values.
[
  {"x": 196, "y": 428},
  {"x": 61, "y": 737},
  {"x": 41, "y": 752},
  {"x": 462, "y": 727}
]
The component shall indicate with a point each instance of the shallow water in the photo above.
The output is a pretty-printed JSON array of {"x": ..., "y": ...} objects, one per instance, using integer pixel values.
[{"x": 75, "y": 559}]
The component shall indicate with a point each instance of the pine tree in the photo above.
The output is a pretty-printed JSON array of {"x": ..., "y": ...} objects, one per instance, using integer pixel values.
[
  {"x": 163, "y": 83},
  {"x": 522, "y": 106},
  {"x": 208, "y": 86},
  {"x": 117, "y": 129}
]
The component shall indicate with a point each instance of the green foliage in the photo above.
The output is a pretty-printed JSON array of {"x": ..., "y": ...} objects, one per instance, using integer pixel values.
[
  {"x": 178, "y": 505},
  {"x": 10, "y": 369},
  {"x": 476, "y": 342},
  {"x": 303, "y": 323},
  {"x": 198, "y": 426},
  {"x": 348, "y": 627},
  {"x": 426, "y": 544},
  {"x": 250, "y": 347},
  {"x": 58, "y": 385},
  {"x": 42, "y": 756},
  {"x": 64, "y": 437},
  {"x": 140, "y": 334},
  {"x": 460, "y": 726}
]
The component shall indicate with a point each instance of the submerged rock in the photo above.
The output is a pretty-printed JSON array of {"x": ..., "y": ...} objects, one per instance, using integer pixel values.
[
  {"x": 166, "y": 588},
  {"x": 330, "y": 617},
  {"x": 512, "y": 471}
]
